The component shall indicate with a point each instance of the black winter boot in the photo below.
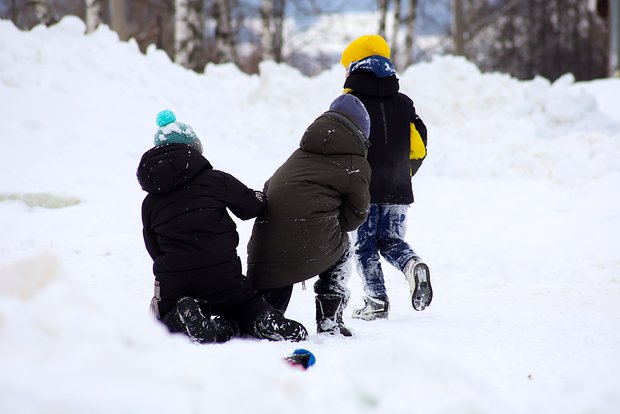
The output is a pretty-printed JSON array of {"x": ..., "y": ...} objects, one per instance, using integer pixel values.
[
  {"x": 373, "y": 309},
  {"x": 188, "y": 317},
  {"x": 329, "y": 310},
  {"x": 272, "y": 325},
  {"x": 225, "y": 329}
]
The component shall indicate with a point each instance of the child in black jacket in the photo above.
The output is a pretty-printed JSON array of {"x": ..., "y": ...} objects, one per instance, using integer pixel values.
[
  {"x": 193, "y": 241},
  {"x": 398, "y": 139}
]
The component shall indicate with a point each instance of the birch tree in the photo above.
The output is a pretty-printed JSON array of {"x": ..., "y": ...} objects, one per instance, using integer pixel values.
[
  {"x": 42, "y": 11},
  {"x": 272, "y": 17},
  {"x": 383, "y": 9},
  {"x": 225, "y": 45},
  {"x": 401, "y": 51},
  {"x": 188, "y": 33},
  {"x": 94, "y": 13},
  {"x": 395, "y": 32},
  {"x": 410, "y": 36}
]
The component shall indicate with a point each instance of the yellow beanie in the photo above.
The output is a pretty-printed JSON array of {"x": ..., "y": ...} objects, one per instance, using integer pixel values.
[{"x": 364, "y": 46}]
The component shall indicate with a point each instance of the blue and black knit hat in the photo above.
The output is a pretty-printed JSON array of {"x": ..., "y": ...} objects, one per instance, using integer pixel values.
[{"x": 172, "y": 132}]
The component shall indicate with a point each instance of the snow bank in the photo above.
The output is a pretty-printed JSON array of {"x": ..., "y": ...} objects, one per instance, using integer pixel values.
[
  {"x": 482, "y": 125},
  {"x": 493, "y": 126},
  {"x": 517, "y": 213}
]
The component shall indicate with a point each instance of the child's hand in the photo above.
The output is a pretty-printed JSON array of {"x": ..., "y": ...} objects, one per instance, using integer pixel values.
[{"x": 260, "y": 195}]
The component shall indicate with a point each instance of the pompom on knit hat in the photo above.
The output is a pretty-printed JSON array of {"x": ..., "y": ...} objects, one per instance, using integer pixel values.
[
  {"x": 364, "y": 46},
  {"x": 171, "y": 131},
  {"x": 350, "y": 105}
]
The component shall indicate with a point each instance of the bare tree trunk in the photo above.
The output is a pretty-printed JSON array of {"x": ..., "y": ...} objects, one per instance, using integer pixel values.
[
  {"x": 225, "y": 48},
  {"x": 531, "y": 40},
  {"x": 13, "y": 9},
  {"x": 42, "y": 12},
  {"x": 266, "y": 12},
  {"x": 278, "y": 36},
  {"x": 94, "y": 14},
  {"x": 272, "y": 16},
  {"x": 118, "y": 18},
  {"x": 559, "y": 32},
  {"x": 591, "y": 37},
  {"x": 409, "y": 38},
  {"x": 383, "y": 7},
  {"x": 614, "y": 39},
  {"x": 188, "y": 33},
  {"x": 538, "y": 37},
  {"x": 459, "y": 43},
  {"x": 395, "y": 31}
]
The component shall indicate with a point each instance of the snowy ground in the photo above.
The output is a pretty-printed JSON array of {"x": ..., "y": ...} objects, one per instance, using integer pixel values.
[{"x": 517, "y": 213}]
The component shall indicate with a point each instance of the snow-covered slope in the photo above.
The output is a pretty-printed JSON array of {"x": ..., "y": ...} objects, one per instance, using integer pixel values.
[{"x": 517, "y": 213}]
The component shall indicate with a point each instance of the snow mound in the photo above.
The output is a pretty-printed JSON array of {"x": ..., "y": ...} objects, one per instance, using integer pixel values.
[
  {"x": 26, "y": 277},
  {"x": 493, "y": 126},
  {"x": 481, "y": 125},
  {"x": 517, "y": 214}
]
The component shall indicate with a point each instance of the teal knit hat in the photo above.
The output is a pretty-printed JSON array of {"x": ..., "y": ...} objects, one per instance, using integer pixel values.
[{"x": 172, "y": 132}]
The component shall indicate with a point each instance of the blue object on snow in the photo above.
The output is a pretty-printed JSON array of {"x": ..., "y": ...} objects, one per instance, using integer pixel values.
[
  {"x": 302, "y": 357},
  {"x": 165, "y": 117}
]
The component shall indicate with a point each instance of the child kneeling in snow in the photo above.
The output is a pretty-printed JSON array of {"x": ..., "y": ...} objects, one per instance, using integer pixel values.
[
  {"x": 199, "y": 286},
  {"x": 318, "y": 195}
]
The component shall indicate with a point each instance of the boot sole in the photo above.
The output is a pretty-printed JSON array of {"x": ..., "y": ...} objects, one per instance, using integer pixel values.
[
  {"x": 193, "y": 320},
  {"x": 422, "y": 293}
]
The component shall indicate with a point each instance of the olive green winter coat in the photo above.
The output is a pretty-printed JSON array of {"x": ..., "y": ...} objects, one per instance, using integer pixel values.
[{"x": 318, "y": 195}]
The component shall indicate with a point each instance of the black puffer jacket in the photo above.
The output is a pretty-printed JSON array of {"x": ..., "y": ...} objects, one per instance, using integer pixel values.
[
  {"x": 390, "y": 112},
  {"x": 318, "y": 195},
  {"x": 187, "y": 230}
]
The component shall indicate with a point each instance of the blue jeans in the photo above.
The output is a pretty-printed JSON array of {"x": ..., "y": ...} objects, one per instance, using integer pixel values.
[{"x": 383, "y": 233}]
